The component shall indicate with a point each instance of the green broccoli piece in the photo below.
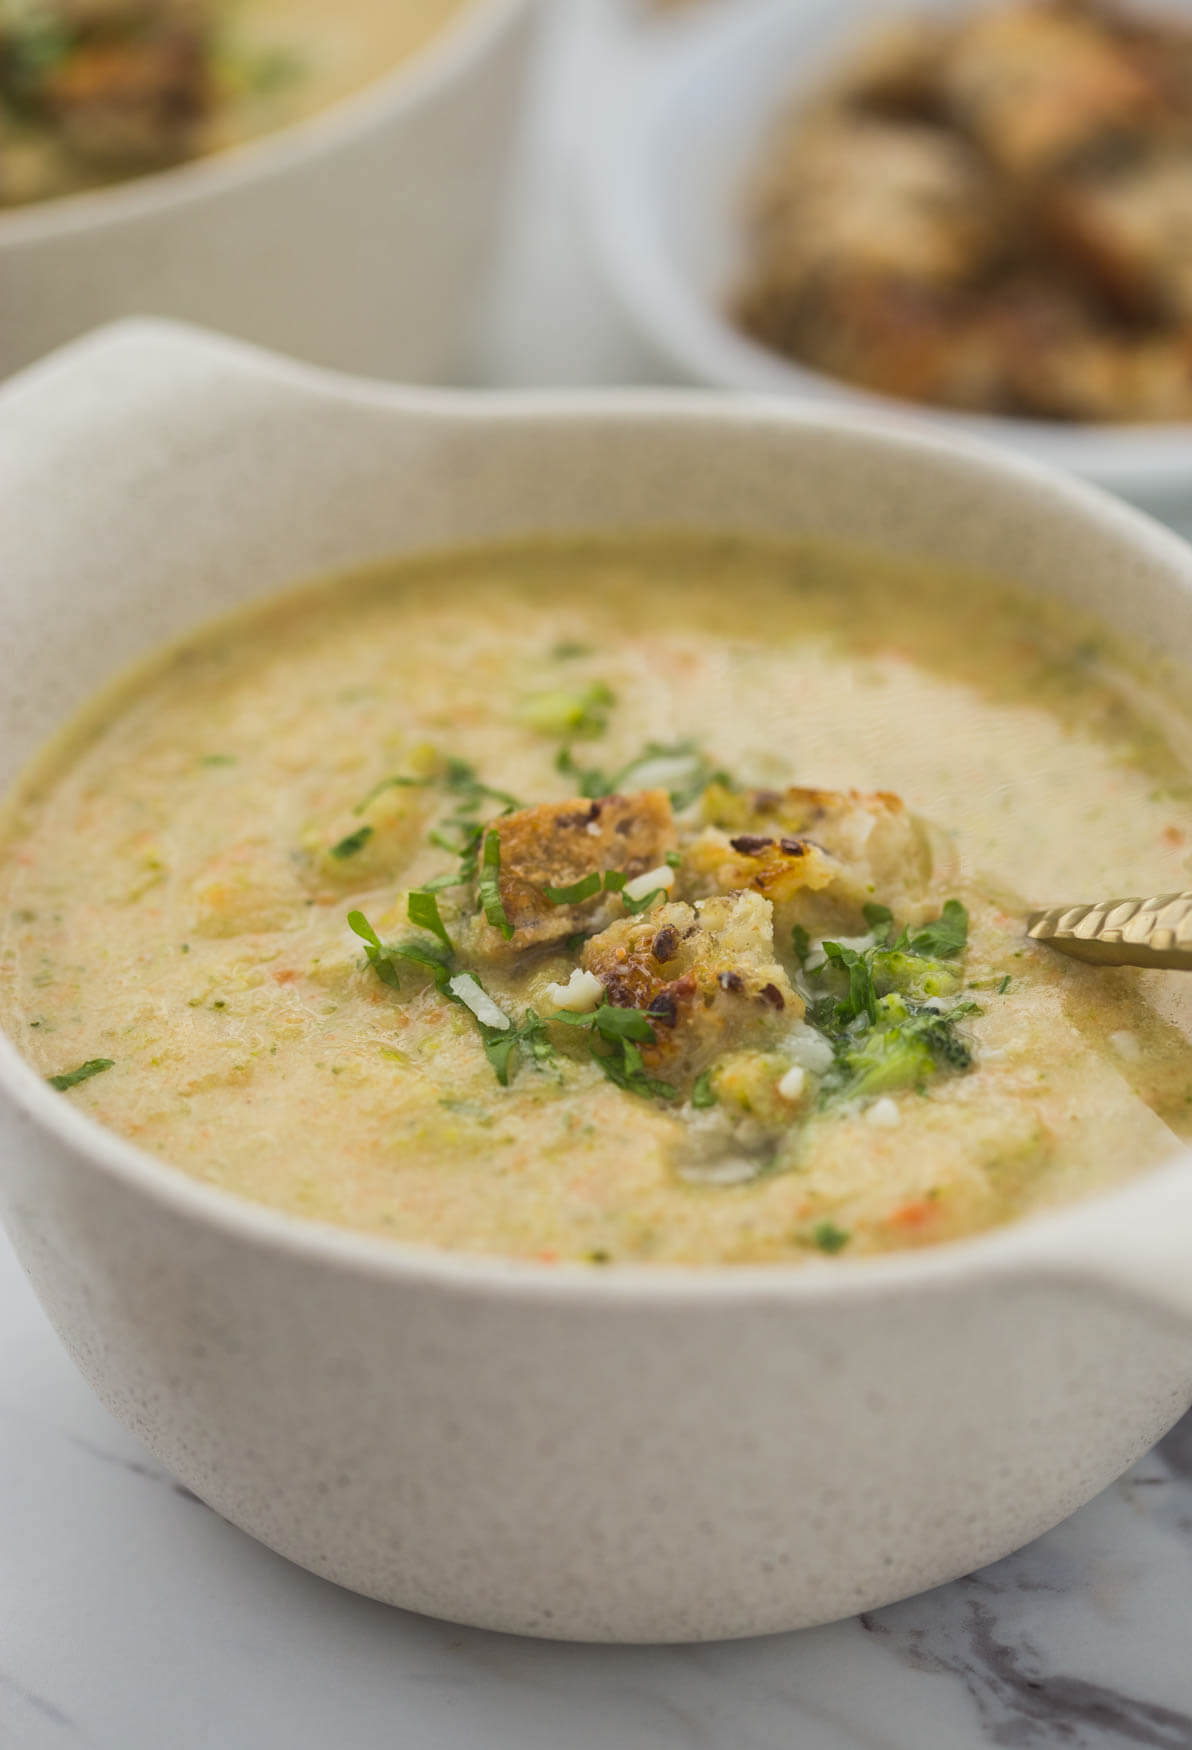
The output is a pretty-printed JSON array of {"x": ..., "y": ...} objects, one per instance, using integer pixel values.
[{"x": 884, "y": 1061}]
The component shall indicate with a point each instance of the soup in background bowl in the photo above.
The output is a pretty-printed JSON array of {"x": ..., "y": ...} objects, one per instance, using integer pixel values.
[
  {"x": 93, "y": 91},
  {"x": 645, "y": 1450},
  {"x": 326, "y": 179}
]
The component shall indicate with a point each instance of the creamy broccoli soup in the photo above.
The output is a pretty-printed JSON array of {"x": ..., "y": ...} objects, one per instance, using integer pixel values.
[
  {"x": 94, "y": 91},
  {"x": 657, "y": 900}
]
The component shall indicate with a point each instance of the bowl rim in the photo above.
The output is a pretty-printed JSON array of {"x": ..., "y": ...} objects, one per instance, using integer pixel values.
[
  {"x": 464, "y": 40},
  {"x": 1067, "y": 1241},
  {"x": 699, "y": 340}
]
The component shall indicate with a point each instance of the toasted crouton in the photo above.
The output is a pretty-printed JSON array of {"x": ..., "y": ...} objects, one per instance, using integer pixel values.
[
  {"x": 134, "y": 99},
  {"x": 1132, "y": 231},
  {"x": 819, "y": 855},
  {"x": 558, "y": 844},
  {"x": 1042, "y": 87},
  {"x": 706, "y": 975}
]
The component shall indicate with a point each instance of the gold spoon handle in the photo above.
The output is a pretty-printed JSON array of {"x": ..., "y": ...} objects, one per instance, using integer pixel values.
[{"x": 1121, "y": 932}]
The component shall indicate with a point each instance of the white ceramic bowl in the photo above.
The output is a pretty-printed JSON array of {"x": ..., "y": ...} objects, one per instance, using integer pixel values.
[
  {"x": 683, "y": 125},
  {"x": 631, "y": 1454},
  {"x": 358, "y": 238}
]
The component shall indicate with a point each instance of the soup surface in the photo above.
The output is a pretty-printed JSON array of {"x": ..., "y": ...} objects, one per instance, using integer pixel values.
[
  {"x": 95, "y": 91},
  {"x": 614, "y": 901}
]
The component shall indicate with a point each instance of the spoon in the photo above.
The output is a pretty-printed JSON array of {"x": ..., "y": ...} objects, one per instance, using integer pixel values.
[{"x": 1121, "y": 932}]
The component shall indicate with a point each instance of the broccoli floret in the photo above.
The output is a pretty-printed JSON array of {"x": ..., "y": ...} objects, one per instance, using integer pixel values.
[
  {"x": 913, "y": 975},
  {"x": 883, "y": 1061}
]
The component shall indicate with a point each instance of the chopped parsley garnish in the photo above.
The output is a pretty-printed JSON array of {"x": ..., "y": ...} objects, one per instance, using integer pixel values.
[
  {"x": 567, "y": 650},
  {"x": 880, "y": 1006},
  {"x": 577, "y": 892},
  {"x": 219, "y": 759},
  {"x": 394, "y": 783},
  {"x": 488, "y": 885},
  {"x": 800, "y": 943},
  {"x": 464, "y": 828},
  {"x": 501, "y": 1042},
  {"x": 677, "y": 767},
  {"x": 946, "y": 937},
  {"x": 611, "y": 881},
  {"x": 620, "y": 1033},
  {"x": 830, "y": 1238},
  {"x": 94, "y": 1066},
  {"x": 703, "y": 1094},
  {"x": 355, "y": 841},
  {"x": 646, "y": 901},
  {"x": 673, "y": 860},
  {"x": 379, "y": 957},
  {"x": 501, "y": 1047},
  {"x": 1004, "y": 986},
  {"x": 422, "y": 909}
]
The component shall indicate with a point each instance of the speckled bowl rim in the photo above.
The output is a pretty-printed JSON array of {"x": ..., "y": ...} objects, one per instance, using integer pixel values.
[
  {"x": 464, "y": 39},
  {"x": 1069, "y": 1241}
]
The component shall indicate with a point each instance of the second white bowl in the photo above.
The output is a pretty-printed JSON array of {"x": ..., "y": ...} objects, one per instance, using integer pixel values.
[
  {"x": 668, "y": 170},
  {"x": 357, "y": 239}
]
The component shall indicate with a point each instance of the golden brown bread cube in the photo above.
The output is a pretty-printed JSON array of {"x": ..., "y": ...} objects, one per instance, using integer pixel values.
[
  {"x": 559, "y": 843},
  {"x": 705, "y": 974},
  {"x": 862, "y": 196},
  {"x": 1131, "y": 233},
  {"x": 819, "y": 855},
  {"x": 134, "y": 100},
  {"x": 1040, "y": 87}
]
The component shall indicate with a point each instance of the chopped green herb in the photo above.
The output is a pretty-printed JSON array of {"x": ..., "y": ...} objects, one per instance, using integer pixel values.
[
  {"x": 677, "y": 767},
  {"x": 645, "y": 902},
  {"x": 830, "y": 1238},
  {"x": 577, "y": 892},
  {"x": 703, "y": 1094},
  {"x": 880, "y": 920},
  {"x": 378, "y": 955},
  {"x": 880, "y": 1007},
  {"x": 422, "y": 909},
  {"x": 574, "y": 943},
  {"x": 611, "y": 1022},
  {"x": 461, "y": 778},
  {"x": 861, "y": 998},
  {"x": 219, "y": 759},
  {"x": 394, "y": 783},
  {"x": 600, "y": 1256},
  {"x": 355, "y": 841},
  {"x": 500, "y": 1047},
  {"x": 94, "y": 1066},
  {"x": 946, "y": 937},
  {"x": 673, "y": 859},
  {"x": 435, "y": 960},
  {"x": 800, "y": 942},
  {"x": 621, "y": 1030},
  {"x": 1004, "y": 986},
  {"x": 567, "y": 650},
  {"x": 489, "y": 885}
]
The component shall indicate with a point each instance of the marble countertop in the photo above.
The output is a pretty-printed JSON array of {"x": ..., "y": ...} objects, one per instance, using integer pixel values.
[{"x": 133, "y": 1618}]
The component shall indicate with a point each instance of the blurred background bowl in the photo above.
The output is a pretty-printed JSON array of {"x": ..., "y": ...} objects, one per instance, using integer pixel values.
[
  {"x": 669, "y": 167},
  {"x": 359, "y": 238}
]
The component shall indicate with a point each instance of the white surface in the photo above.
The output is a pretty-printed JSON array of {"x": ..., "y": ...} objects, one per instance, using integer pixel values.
[{"x": 131, "y": 1618}]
